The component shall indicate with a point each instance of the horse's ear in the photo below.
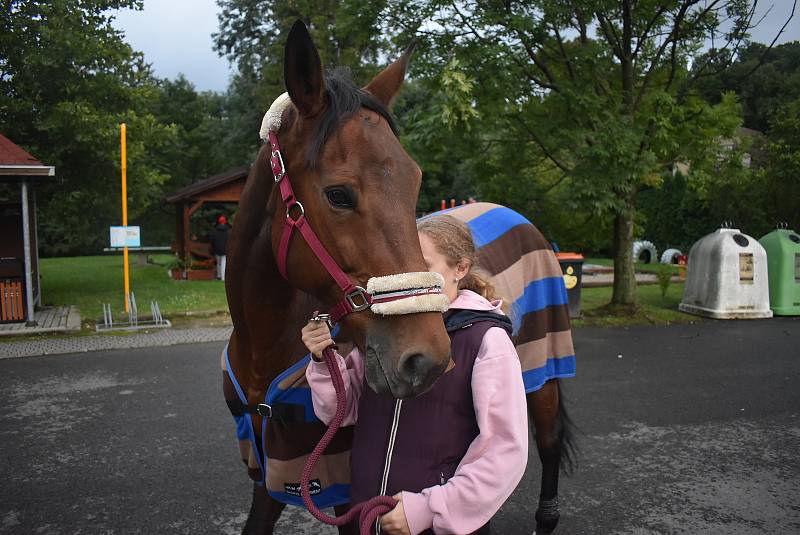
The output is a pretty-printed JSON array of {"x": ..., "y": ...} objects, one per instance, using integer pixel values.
[
  {"x": 302, "y": 71},
  {"x": 387, "y": 83}
]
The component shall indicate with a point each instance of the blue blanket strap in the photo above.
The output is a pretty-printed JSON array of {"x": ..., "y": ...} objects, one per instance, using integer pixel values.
[{"x": 244, "y": 425}]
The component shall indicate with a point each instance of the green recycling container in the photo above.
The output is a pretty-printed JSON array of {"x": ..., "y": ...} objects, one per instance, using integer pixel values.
[{"x": 783, "y": 264}]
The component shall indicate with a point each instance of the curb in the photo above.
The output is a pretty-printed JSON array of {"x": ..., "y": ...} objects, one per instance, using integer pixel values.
[{"x": 104, "y": 342}]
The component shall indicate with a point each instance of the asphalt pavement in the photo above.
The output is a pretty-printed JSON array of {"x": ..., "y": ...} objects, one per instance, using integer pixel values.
[{"x": 683, "y": 429}]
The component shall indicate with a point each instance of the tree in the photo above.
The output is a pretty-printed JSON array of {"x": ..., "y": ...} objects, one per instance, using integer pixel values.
[
  {"x": 765, "y": 79},
  {"x": 608, "y": 110},
  {"x": 252, "y": 34},
  {"x": 67, "y": 79},
  {"x": 753, "y": 197},
  {"x": 783, "y": 165}
]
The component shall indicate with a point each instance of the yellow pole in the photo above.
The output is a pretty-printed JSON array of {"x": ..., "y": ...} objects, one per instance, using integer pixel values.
[{"x": 124, "y": 210}]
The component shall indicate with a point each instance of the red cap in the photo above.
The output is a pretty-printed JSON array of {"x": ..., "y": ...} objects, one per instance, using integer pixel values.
[{"x": 222, "y": 220}]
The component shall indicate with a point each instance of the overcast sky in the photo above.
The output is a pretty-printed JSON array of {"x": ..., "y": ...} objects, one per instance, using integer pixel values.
[{"x": 175, "y": 36}]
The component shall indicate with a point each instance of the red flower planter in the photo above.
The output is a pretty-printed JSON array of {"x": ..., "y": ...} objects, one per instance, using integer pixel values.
[{"x": 200, "y": 274}]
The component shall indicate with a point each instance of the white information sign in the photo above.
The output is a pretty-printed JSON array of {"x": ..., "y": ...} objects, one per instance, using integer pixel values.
[{"x": 125, "y": 237}]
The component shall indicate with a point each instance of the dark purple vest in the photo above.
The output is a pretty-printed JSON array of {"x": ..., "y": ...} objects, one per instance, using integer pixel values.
[{"x": 434, "y": 430}]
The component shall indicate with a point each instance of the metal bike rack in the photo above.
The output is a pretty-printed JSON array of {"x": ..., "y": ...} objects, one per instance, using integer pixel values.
[{"x": 134, "y": 323}]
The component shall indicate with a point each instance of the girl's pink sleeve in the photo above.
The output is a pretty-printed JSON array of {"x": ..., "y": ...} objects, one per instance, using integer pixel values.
[
  {"x": 324, "y": 396},
  {"x": 496, "y": 459}
]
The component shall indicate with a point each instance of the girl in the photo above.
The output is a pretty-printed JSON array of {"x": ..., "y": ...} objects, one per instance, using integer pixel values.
[{"x": 460, "y": 449}]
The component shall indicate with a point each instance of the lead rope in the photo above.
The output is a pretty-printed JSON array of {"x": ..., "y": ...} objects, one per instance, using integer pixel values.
[{"x": 368, "y": 511}]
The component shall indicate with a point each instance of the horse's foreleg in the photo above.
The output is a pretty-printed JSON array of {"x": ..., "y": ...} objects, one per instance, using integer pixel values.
[
  {"x": 264, "y": 513},
  {"x": 543, "y": 406}
]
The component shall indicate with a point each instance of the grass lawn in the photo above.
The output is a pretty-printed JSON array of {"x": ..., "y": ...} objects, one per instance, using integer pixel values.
[
  {"x": 638, "y": 266},
  {"x": 652, "y": 307},
  {"x": 90, "y": 281}
]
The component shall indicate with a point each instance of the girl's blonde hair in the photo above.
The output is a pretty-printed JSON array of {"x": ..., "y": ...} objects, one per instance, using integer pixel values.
[{"x": 453, "y": 239}]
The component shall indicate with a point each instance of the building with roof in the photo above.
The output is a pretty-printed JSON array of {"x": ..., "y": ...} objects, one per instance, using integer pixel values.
[
  {"x": 20, "y": 288},
  {"x": 222, "y": 188}
]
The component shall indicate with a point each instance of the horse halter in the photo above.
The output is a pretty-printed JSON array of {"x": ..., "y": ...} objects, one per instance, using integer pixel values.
[{"x": 403, "y": 293}]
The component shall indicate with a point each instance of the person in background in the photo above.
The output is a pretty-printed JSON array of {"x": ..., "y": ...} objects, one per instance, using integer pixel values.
[
  {"x": 219, "y": 244},
  {"x": 461, "y": 448}
]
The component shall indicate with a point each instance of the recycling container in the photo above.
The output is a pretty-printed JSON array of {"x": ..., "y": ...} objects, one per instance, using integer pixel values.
[
  {"x": 783, "y": 261},
  {"x": 727, "y": 277},
  {"x": 572, "y": 270}
]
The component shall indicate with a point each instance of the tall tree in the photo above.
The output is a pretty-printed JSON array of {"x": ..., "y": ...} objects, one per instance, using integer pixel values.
[
  {"x": 67, "y": 79},
  {"x": 783, "y": 165},
  {"x": 600, "y": 93},
  {"x": 252, "y": 34},
  {"x": 765, "y": 80}
]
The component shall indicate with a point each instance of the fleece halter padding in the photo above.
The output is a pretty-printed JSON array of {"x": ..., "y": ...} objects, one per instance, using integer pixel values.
[
  {"x": 407, "y": 293},
  {"x": 272, "y": 119}
]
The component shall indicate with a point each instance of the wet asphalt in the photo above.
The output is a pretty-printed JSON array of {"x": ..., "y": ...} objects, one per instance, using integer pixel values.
[{"x": 683, "y": 429}]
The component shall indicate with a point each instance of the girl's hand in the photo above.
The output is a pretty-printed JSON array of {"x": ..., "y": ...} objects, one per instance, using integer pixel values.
[
  {"x": 316, "y": 336},
  {"x": 394, "y": 522}
]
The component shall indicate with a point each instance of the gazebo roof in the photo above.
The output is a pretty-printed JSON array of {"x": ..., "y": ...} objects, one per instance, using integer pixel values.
[
  {"x": 14, "y": 160},
  {"x": 197, "y": 190}
]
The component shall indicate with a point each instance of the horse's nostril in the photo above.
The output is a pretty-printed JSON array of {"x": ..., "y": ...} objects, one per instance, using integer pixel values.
[{"x": 416, "y": 368}]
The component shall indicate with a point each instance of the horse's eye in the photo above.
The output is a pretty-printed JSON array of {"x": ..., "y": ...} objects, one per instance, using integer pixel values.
[{"x": 340, "y": 198}]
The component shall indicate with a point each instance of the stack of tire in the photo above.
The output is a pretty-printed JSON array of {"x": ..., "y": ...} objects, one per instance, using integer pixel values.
[{"x": 646, "y": 253}]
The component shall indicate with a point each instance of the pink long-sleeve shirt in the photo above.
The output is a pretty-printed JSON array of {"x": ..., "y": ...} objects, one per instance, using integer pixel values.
[{"x": 496, "y": 459}]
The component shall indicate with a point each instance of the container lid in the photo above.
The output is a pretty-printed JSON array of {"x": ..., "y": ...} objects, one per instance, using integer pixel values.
[{"x": 569, "y": 256}]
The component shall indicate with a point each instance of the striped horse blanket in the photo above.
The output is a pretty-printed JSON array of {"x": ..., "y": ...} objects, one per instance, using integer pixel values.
[{"x": 524, "y": 272}]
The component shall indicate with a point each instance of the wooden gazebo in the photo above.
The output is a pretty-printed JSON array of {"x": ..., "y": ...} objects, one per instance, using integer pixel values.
[
  {"x": 222, "y": 188},
  {"x": 20, "y": 289}
]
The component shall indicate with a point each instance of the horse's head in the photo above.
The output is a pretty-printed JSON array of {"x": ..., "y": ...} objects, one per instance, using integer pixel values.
[{"x": 359, "y": 189}]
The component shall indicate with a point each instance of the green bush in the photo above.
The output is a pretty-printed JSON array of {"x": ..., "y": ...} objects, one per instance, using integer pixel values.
[{"x": 664, "y": 276}]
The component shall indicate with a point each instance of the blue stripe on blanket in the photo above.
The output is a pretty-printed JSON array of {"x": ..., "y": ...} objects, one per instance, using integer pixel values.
[
  {"x": 296, "y": 396},
  {"x": 538, "y": 295},
  {"x": 559, "y": 368},
  {"x": 489, "y": 226},
  {"x": 335, "y": 494}
]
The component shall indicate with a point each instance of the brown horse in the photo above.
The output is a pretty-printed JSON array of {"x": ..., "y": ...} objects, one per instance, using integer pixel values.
[{"x": 358, "y": 190}]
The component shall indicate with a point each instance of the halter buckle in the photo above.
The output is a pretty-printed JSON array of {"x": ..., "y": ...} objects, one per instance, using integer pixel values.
[
  {"x": 358, "y": 293},
  {"x": 277, "y": 154},
  {"x": 264, "y": 410}
]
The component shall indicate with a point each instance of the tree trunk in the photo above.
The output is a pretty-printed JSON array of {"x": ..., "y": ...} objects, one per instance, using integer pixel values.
[{"x": 624, "y": 279}]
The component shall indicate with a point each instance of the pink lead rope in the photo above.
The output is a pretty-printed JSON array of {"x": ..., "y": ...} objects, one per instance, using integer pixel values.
[{"x": 368, "y": 511}]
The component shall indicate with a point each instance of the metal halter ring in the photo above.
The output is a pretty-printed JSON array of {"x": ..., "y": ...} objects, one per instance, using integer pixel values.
[
  {"x": 362, "y": 293},
  {"x": 302, "y": 210},
  {"x": 323, "y": 317}
]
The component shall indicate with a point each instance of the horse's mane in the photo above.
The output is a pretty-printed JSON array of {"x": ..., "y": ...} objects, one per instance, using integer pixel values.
[{"x": 344, "y": 101}]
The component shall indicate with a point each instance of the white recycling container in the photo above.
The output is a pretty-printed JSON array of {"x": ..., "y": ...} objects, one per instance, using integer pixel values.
[{"x": 727, "y": 277}]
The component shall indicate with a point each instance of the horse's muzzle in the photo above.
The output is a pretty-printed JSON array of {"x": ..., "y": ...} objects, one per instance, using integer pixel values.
[{"x": 414, "y": 374}]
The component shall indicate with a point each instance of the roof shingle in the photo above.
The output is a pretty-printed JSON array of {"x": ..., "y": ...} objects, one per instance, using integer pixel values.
[{"x": 13, "y": 154}]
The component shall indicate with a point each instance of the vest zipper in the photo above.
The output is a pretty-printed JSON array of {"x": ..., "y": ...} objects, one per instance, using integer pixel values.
[{"x": 389, "y": 451}]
